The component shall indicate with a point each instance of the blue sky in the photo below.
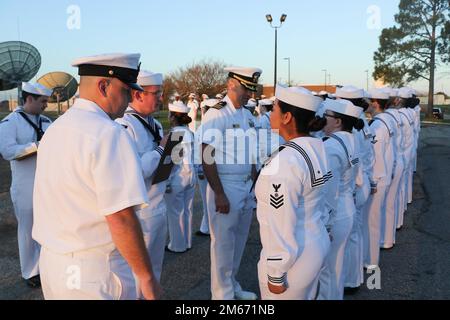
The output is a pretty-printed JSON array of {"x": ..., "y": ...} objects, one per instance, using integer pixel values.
[{"x": 317, "y": 35}]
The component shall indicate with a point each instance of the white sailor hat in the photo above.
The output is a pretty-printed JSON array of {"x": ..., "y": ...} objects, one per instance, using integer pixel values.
[
  {"x": 349, "y": 92},
  {"x": 219, "y": 96},
  {"x": 323, "y": 93},
  {"x": 124, "y": 67},
  {"x": 211, "y": 102},
  {"x": 342, "y": 106},
  {"x": 192, "y": 95},
  {"x": 252, "y": 103},
  {"x": 393, "y": 93},
  {"x": 298, "y": 97},
  {"x": 36, "y": 88},
  {"x": 205, "y": 96},
  {"x": 266, "y": 102},
  {"x": 178, "y": 106},
  {"x": 148, "y": 78},
  {"x": 405, "y": 93},
  {"x": 248, "y": 77},
  {"x": 379, "y": 94}
]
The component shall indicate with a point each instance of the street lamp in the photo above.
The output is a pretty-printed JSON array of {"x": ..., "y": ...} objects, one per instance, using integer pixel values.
[
  {"x": 289, "y": 70},
  {"x": 367, "y": 72},
  {"x": 270, "y": 20},
  {"x": 326, "y": 75}
]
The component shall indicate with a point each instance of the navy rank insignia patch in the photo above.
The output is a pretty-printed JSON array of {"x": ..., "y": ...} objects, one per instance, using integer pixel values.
[{"x": 276, "y": 199}]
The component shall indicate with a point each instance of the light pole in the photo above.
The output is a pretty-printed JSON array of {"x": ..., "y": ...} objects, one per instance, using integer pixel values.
[
  {"x": 326, "y": 75},
  {"x": 270, "y": 20},
  {"x": 289, "y": 70},
  {"x": 367, "y": 72}
]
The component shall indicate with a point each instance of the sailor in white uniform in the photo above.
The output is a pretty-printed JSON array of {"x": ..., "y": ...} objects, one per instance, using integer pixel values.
[
  {"x": 20, "y": 134},
  {"x": 88, "y": 185},
  {"x": 340, "y": 146},
  {"x": 393, "y": 198},
  {"x": 291, "y": 206},
  {"x": 354, "y": 251},
  {"x": 147, "y": 133},
  {"x": 193, "y": 111},
  {"x": 202, "y": 181},
  {"x": 180, "y": 198},
  {"x": 384, "y": 148},
  {"x": 229, "y": 167}
]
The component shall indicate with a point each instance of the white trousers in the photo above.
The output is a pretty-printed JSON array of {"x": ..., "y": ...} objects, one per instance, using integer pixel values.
[
  {"x": 180, "y": 207},
  {"x": 303, "y": 277},
  {"x": 229, "y": 234},
  {"x": 403, "y": 202},
  {"x": 388, "y": 217},
  {"x": 29, "y": 250},
  {"x": 332, "y": 275},
  {"x": 154, "y": 229},
  {"x": 96, "y": 274},
  {"x": 410, "y": 174},
  {"x": 202, "y": 184},
  {"x": 372, "y": 225},
  {"x": 354, "y": 254}
]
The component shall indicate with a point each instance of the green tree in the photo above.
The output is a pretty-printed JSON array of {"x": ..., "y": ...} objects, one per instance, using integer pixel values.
[{"x": 416, "y": 45}]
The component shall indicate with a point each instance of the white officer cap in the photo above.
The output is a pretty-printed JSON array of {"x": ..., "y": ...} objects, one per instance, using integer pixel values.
[
  {"x": 266, "y": 102},
  {"x": 178, "y": 106},
  {"x": 37, "y": 89},
  {"x": 248, "y": 77},
  {"x": 124, "y": 67},
  {"x": 298, "y": 97},
  {"x": 405, "y": 93},
  {"x": 192, "y": 95},
  {"x": 148, "y": 78},
  {"x": 349, "y": 92},
  {"x": 343, "y": 107},
  {"x": 252, "y": 103}
]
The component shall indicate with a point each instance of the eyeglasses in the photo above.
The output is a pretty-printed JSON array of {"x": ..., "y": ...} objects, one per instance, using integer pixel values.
[{"x": 158, "y": 93}]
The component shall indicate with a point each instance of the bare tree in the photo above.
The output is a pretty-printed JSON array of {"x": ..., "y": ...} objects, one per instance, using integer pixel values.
[{"x": 206, "y": 76}]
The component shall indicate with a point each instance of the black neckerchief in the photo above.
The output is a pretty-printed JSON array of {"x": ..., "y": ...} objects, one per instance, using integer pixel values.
[
  {"x": 39, "y": 131},
  {"x": 154, "y": 132}
]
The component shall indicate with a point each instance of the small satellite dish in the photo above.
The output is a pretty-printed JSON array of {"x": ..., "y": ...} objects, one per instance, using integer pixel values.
[
  {"x": 64, "y": 87},
  {"x": 19, "y": 62}
]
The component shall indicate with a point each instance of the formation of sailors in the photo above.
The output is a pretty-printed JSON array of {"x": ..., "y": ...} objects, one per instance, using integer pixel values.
[{"x": 330, "y": 181}]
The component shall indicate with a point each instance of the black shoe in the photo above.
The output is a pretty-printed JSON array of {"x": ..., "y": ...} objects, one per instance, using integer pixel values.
[
  {"x": 34, "y": 282},
  {"x": 386, "y": 249},
  {"x": 351, "y": 291},
  {"x": 171, "y": 251},
  {"x": 201, "y": 234}
]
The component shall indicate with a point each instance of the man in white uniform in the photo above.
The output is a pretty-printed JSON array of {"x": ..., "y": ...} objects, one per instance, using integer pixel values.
[
  {"x": 20, "y": 134},
  {"x": 147, "y": 133},
  {"x": 88, "y": 185},
  {"x": 229, "y": 170},
  {"x": 193, "y": 105}
]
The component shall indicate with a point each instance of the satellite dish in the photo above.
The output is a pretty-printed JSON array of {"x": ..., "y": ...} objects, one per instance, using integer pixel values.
[
  {"x": 19, "y": 62},
  {"x": 64, "y": 86}
]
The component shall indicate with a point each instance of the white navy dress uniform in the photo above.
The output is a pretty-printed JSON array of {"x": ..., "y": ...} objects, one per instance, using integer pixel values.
[
  {"x": 193, "y": 110},
  {"x": 354, "y": 251},
  {"x": 87, "y": 168},
  {"x": 384, "y": 148},
  {"x": 180, "y": 199},
  {"x": 343, "y": 160},
  {"x": 290, "y": 210},
  {"x": 202, "y": 181},
  {"x": 408, "y": 136},
  {"x": 20, "y": 134},
  {"x": 222, "y": 126},
  {"x": 393, "y": 198},
  {"x": 146, "y": 133}
]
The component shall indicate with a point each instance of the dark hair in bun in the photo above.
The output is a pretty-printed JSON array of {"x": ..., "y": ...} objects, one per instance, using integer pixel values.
[
  {"x": 181, "y": 119},
  {"x": 305, "y": 120},
  {"x": 359, "y": 102}
]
